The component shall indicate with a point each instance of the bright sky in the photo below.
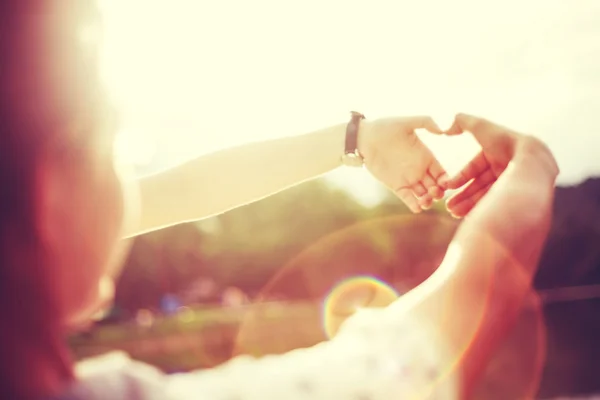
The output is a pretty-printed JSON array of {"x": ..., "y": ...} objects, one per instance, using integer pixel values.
[{"x": 192, "y": 76}]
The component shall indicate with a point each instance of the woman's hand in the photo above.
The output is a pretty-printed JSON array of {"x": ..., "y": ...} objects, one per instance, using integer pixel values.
[
  {"x": 499, "y": 147},
  {"x": 396, "y": 156}
]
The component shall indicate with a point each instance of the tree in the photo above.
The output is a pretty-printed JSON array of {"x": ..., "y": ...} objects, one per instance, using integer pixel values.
[{"x": 161, "y": 262}]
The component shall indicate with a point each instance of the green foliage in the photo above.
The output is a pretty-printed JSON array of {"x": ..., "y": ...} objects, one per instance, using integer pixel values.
[
  {"x": 259, "y": 244},
  {"x": 204, "y": 337},
  {"x": 160, "y": 262}
]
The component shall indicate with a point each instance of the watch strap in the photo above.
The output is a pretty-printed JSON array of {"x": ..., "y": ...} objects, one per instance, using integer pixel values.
[{"x": 351, "y": 146}]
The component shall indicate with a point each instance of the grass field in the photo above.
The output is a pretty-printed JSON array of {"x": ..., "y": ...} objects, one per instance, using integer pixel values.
[{"x": 204, "y": 338}]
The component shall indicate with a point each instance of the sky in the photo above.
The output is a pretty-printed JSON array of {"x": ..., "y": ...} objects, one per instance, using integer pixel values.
[{"x": 193, "y": 76}]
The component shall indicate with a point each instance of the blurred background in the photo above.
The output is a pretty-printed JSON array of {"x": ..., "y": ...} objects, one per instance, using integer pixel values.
[{"x": 191, "y": 77}]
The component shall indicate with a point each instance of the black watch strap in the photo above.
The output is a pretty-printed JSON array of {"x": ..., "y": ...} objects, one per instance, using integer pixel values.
[{"x": 352, "y": 133}]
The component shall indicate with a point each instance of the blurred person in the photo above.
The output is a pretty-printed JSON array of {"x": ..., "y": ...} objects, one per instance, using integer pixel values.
[{"x": 65, "y": 207}]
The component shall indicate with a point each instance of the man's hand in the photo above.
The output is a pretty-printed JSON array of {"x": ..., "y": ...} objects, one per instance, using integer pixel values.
[
  {"x": 499, "y": 146},
  {"x": 476, "y": 295},
  {"x": 397, "y": 157}
]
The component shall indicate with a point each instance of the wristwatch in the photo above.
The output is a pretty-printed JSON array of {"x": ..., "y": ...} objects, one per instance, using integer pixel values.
[{"x": 351, "y": 156}]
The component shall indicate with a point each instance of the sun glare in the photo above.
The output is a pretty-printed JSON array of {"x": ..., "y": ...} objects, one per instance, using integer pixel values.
[{"x": 192, "y": 76}]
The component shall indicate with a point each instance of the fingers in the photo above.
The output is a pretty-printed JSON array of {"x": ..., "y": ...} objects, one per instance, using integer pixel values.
[
  {"x": 485, "y": 132},
  {"x": 470, "y": 123},
  {"x": 429, "y": 183},
  {"x": 425, "y": 202},
  {"x": 455, "y": 129},
  {"x": 406, "y": 195},
  {"x": 476, "y": 167},
  {"x": 439, "y": 175},
  {"x": 419, "y": 189},
  {"x": 482, "y": 181},
  {"x": 429, "y": 189},
  {"x": 462, "y": 208},
  {"x": 423, "y": 122},
  {"x": 473, "y": 124},
  {"x": 432, "y": 187}
]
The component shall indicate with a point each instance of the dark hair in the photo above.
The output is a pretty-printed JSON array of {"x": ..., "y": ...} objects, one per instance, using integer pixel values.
[{"x": 47, "y": 77}]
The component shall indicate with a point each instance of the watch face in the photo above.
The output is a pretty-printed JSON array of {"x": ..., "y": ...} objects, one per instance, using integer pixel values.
[{"x": 352, "y": 160}]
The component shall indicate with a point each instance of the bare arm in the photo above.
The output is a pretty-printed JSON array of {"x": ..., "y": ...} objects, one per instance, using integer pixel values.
[
  {"x": 230, "y": 178},
  {"x": 499, "y": 247},
  {"x": 217, "y": 182},
  {"x": 475, "y": 296}
]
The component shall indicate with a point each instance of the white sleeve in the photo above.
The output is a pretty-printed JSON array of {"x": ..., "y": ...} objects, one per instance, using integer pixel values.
[
  {"x": 117, "y": 377},
  {"x": 376, "y": 356}
]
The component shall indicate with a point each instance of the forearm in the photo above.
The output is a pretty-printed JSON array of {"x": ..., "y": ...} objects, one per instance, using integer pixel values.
[
  {"x": 513, "y": 219},
  {"x": 517, "y": 211},
  {"x": 477, "y": 293},
  {"x": 226, "y": 179}
]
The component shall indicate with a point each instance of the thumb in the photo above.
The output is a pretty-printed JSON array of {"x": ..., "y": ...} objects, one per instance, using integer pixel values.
[
  {"x": 465, "y": 122},
  {"x": 423, "y": 122},
  {"x": 483, "y": 131}
]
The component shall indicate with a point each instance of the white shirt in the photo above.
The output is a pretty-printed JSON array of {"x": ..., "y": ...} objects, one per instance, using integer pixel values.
[{"x": 377, "y": 355}]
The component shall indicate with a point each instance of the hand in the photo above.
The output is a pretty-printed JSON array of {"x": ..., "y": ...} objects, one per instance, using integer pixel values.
[
  {"x": 396, "y": 156},
  {"x": 499, "y": 146}
]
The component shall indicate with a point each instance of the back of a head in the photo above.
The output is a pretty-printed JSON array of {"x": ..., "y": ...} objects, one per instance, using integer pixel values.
[{"x": 47, "y": 78}]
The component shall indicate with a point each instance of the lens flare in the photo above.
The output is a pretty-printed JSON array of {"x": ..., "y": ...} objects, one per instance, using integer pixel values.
[
  {"x": 352, "y": 269},
  {"x": 351, "y": 295},
  {"x": 400, "y": 250}
]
